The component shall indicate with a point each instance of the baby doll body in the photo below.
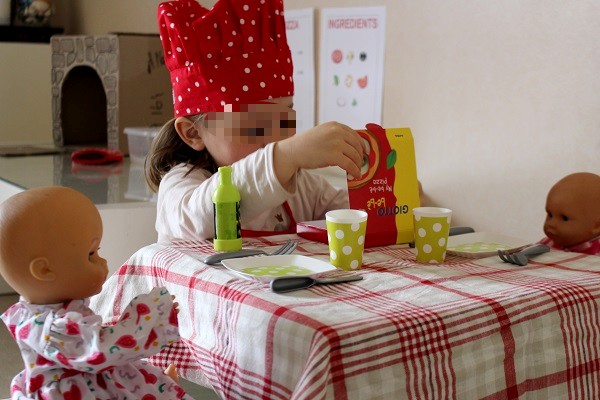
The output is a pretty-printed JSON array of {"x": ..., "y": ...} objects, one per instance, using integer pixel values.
[
  {"x": 49, "y": 241},
  {"x": 69, "y": 354},
  {"x": 591, "y": 247},
  {"x": 573, "y": 214}
]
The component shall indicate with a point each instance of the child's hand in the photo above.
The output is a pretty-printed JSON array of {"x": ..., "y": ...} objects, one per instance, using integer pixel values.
[{"x": 328, "y": 144}]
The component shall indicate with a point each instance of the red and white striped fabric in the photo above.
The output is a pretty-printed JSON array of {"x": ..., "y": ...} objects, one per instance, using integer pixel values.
[{"x": 466, "y": 329}]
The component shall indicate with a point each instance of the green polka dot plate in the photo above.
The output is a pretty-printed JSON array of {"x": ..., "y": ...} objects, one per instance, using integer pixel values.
[
  {"x": 267, "y": 268},
  {"x": 482, "y": 244}
]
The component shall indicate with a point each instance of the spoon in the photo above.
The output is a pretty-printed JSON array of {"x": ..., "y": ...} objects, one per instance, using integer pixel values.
[{"x": 287, "y": 284}]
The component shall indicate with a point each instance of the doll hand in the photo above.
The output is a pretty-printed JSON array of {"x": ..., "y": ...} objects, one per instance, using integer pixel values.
[
  {"x": 328, "y": 144},
  {"x": 171, "y": 372},
  {"x": 175, "y": 305}
]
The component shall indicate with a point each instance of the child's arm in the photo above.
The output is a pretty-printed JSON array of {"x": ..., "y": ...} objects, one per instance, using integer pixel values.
[
  {"x": 185, "y": 209},
  {"x": 79, "y": 342},
  {"x": 328, "y": 144}
]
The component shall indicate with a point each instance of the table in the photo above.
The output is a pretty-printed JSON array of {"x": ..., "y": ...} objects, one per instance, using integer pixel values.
[{"x": 465, "y": 329}]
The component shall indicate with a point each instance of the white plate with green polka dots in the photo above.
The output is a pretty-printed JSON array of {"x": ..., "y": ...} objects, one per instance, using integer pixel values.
[
  {"x": 267, "y": 268},
  {"x": 482, "y": 244}
]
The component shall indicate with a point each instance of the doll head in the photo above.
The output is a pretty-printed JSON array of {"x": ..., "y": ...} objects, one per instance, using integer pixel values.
[
  {"x": 49, "y": 241},
  {"x": 573, "y": 210}
]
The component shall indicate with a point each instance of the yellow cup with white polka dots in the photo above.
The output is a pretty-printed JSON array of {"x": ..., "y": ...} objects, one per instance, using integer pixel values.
[
  {"x": 432, "y": 225},
  {"x": 346, "y": 236}
]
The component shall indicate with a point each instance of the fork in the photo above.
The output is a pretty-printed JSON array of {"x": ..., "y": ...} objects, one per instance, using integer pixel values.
[
  {"x": 287, "y": 248},
  {"x": 522, "y": 257}
]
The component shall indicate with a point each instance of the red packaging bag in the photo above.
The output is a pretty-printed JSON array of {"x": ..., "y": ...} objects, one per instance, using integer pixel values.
[{"x": 387, "y": 188}]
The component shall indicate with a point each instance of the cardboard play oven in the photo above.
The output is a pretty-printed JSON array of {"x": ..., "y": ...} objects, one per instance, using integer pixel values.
[
  {"x": 102, "y": 84},
  {"x": 387, "y": 189}
]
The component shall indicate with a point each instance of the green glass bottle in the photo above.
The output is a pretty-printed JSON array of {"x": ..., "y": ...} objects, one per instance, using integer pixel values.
[{"x": 226, "y": 205}]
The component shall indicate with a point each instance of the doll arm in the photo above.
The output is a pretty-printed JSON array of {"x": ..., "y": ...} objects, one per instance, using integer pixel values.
[{"x": 79, "y": 342}]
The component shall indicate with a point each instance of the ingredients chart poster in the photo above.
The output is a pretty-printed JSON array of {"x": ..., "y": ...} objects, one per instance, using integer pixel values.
[
  {"x": 351, "y": 65},
  {"x": 300, "y": 28}
]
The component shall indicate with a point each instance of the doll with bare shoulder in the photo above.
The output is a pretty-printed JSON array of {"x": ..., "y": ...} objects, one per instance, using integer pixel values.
[
  {"x": 573, "y": 214},
  {"x": 49, "y": 241}
]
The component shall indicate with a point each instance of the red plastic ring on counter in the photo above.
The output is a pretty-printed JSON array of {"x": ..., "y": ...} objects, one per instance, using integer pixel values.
[{"x": 97, "y": 156}]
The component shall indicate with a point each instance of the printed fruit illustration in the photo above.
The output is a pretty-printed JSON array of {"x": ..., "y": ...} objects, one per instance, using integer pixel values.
[
  {"x": 370, "y": 160},
  {"x": 350, "y": 57},
  {"x": 362, "y": 82},
  {"x": 337, "y": 56},
  {"x": 348, "y": 81},
  {"x": 363, "y": 56}
]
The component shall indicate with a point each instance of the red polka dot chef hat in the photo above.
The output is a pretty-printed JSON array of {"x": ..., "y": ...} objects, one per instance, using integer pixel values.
[{"x": 235, "y": 53}]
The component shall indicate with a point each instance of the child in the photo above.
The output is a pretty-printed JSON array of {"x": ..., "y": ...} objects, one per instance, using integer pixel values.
[
  {"x": 49, "y": 241},
  {"x": 573, "y": 214},
  {"x": 231, "y": 72}
]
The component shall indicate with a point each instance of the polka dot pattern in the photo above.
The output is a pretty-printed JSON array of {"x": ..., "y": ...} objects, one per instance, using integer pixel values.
[
  {"x": 346, "y": 244},
  {"x": 235, "y": 53},
  {"x": 431, "y": 238}
]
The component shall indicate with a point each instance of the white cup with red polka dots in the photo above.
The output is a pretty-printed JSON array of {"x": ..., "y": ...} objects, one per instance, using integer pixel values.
[
  {"x": 432, "y": 226},
  {"x": 346, "y": 230}
]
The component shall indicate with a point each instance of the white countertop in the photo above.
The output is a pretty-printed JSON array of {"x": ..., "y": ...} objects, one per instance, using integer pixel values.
[{"x": 109, "y": 184}]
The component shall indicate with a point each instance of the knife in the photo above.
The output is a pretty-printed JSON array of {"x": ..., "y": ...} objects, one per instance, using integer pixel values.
[{"x": 288, "y": 284}]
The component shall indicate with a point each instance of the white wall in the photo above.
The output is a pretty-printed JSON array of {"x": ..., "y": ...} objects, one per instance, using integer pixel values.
[
  {"x": 25, "y": 99},
  {"x": 127, "y": 227},
  {"x": 503, "y": 97}
]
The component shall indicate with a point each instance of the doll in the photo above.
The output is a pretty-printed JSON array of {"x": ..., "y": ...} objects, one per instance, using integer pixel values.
[
  {"x": 49, "y": 241},
  {"x": 573, "y": 214}
]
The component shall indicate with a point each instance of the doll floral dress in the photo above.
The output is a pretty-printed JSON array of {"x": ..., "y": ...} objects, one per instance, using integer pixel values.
[
  {"x": 69, "y": 354},
  {"x": 591, "y": 247}
]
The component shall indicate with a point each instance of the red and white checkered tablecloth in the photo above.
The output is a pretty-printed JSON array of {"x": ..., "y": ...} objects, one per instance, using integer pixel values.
[{"x": 466, "y": 329}]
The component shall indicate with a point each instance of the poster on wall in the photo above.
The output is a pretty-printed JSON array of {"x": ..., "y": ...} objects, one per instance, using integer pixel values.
[
  {"x": 351, "y": 65},
  {"x": 300, "y": 34}
]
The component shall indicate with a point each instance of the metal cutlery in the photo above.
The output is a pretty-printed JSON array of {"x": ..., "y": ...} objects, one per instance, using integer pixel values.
[
  {"x": 288, "y": 284},
  {"x": 287, "y": 248},
  {"x": 522, "y": 257}
]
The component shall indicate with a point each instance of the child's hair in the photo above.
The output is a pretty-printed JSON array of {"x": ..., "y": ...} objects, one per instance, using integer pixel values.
[{"x": 167, "y": 150}]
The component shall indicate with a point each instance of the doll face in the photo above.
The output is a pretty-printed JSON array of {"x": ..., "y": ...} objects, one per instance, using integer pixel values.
[
  {"x": 49, "y": 240},
  {"x": 572, "y": 213},
  {"x": 566, "y": 225},
  {"x": 80, "y": 270}
]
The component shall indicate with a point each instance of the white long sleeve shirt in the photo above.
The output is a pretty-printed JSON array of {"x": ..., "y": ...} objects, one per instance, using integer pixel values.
[{"x": 185, "y": 208}]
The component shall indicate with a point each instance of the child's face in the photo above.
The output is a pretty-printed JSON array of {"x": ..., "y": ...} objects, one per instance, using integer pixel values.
[{"x": 231, "y": 136}]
